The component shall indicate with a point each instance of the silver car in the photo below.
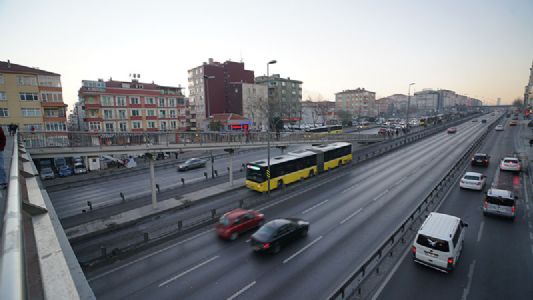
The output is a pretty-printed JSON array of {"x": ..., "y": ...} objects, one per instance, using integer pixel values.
[
  {"x": 192, "y": 163},
  {"x": 500, "y": 202},
  {"x": 47, "y": 173}
]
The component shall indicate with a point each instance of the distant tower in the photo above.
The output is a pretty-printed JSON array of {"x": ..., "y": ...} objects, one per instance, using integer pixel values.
[{"x": 499, "y": 101}]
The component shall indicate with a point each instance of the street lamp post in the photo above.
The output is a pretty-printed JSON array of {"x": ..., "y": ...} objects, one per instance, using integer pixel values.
[
  {"x": 208, "y": 109},
  {"x": 269, "y": 123},
  {"x": 408, "y": 103}
]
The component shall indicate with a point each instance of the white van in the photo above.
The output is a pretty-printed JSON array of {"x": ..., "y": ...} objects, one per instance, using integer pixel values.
[{"x": 439, "y": 242}]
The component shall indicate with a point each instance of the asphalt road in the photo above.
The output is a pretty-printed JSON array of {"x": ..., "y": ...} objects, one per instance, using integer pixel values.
[
  {"x": 497, "y": 261},
  {"x": 350, "y": 215}
]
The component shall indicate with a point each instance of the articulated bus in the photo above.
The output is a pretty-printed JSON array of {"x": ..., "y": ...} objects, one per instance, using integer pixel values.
[
  {"x": 297, "y": 165},
  {"x": 334, "y": 129}
]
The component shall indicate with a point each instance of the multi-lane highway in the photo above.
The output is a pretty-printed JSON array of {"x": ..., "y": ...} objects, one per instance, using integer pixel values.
[
  {"x": 351, "y": 212},
  {"x": 497, "y": 261}
]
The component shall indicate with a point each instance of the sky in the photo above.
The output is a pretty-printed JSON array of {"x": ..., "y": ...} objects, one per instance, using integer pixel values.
[{"x": 479, "y": 48}]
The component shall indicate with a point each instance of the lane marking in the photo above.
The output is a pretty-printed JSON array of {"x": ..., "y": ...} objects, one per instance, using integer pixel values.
[
  {"x": 314, "y": 206},
  {"x": 480, "y": 232},
  {"x": 239, "y": 292},
  {"x": 350, "y": 188},
  {"x": 188, "y": 271},
  {"x": 380, "y": 195},
  {"x": 529, "y": 224},
  {"x": 351, "y": 216},
  {"x": 302, "y": 250},
  {"x": 149, "y": 255},
  {"x": 469, "y": 283},
  {"x": 531, "y": 236},
  {"x": 527, "y": 206}
]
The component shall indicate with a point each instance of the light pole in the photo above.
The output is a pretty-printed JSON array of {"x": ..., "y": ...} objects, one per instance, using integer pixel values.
[
  {"x": 269, "y": 123},
  {"x": 408, "y": 103}
]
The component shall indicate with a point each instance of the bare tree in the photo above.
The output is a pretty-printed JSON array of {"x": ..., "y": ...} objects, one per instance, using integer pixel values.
[{"x": 517, "y": 102}]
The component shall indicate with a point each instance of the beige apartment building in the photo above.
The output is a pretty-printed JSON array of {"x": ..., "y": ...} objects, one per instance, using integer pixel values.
[{"x": 31, "y": 98}]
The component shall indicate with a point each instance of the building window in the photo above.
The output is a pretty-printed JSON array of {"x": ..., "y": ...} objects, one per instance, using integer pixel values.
[
  {"x": 173, "y": 124},
  {"x": 51, "y": 112},
  {"x": 51, "y": 81},
  {"x": 122, "y": 114},
  {"x": 135, "y": 113},
  {"x": 107, "y": 101},
  {"x": 163, "y": 125},
  {"x": 150, "y": 113},
  {"x": 172, "y": 113},
  {"x": 1, "y": 79},
  {"x": 51, "y": 97},
  {"x": 29, "y": 96},
  {"x": 108, "y": 114},
  {"x": 109, "y": 127},
  {"x": 123, "y": 126},
  {"x": 171, "y": 102},
  {"x": 4, "y": 112},
  {"x": 151, "y": 124},
  {"x": 36, "y": 127},
  {"x": 136, "y": 124},
  {"x": 3, "y": 96},
  {"x": 150, "y": 100},
  {"x": 56, "y": 126},
  {"x": 31, "y": 112},
  {"x": 162, "y": 102},
  {"x": 162, "y": 114},
  {"x": 26, "y": 80},
  {"x": 121, "y": 101},
  {"x": 134, "y": 100},
  {"x": 94, "y": 126},
  {"x": 181, "y": 101}
]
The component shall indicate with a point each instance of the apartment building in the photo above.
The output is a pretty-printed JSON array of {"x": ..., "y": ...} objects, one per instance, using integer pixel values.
[
  {"x": 120, "y": 106},
  {"x": 284, "y": 97},
  {"x": 318, "y": 113},
  {"x": 254, "y": 99},
  {"x": 31, "y": 98},
  {"x": 209, "y": 87},
  {"x": 358, "y": 102}
]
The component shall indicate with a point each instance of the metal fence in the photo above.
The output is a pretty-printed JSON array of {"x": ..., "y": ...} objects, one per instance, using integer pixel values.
[{"x": 353, "y": 286}]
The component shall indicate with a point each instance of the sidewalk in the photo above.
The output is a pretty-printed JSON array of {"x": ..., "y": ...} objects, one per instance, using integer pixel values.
[{"x": 131, "y": 216}]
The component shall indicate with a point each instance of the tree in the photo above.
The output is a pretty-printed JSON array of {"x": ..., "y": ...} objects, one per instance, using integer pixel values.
[
  {"x": 345, "y": 117},
  {"x": 215, "y": 125},
  {"x": 517, "y": 102},
  {"x": 277, "y": 124}
]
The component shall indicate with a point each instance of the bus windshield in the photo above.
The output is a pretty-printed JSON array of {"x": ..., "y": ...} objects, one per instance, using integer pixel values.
[{"x": 255, "y": 173}]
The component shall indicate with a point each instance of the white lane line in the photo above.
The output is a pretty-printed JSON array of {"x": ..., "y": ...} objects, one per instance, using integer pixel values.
[
  {"x": 531, "y": 249},
  {"x": 149, "y": 255},
  {"x": 527, "y": 206},
  {"x": 302, "y": 250},
  {"x": 239, "y": 292},
  {"x": 271, "y": 204},
  {"x": 350, "y": 188},
  {"x": 480, "y": 232},
  {"x": 389, "y": 276},
  {"x": 470, "y": 275},
  {"x": 247, "y": 241},
  {"x": 531, "y": 236},
  {"x": 188, "y": 271},
  {"x": 351, "y": 216},
  {"x": 529, "y": 224},
  {"x": 400, "y": 181},
  {"x": 314, "y": 206},
  {"x": 380, "y": 195}
]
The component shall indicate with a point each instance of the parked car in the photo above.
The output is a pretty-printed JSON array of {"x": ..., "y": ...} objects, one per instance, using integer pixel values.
[
  {"x": 65, "y": 171},
  {"x": 513, "y": 123},
  {"x": 234, "y": 223},
  {"x": 499, "y": 128},
  {"x": 79, "y": 168},
  {"x": 480, "y": 159},
  {"x": 500, "y": 202},
  {"x": 47, "y": 173},
  {"x": 192, "y": 163},
  {"x": 277, "y": 233},
  {"x": 452, "y": 130},
  {"x": 439, "y": 242},
  {"x": 473, "y": 181},
  {"x": 510, "y": 164},
  {"x": 483, "y": 121},
  {"x": 474, "y": 120}
]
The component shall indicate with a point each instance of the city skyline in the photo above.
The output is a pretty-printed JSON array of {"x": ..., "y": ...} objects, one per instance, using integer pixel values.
[{"x": 482, "y": 49}]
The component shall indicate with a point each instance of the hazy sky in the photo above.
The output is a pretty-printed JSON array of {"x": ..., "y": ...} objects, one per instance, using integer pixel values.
[{"x": 482, "y": 48}]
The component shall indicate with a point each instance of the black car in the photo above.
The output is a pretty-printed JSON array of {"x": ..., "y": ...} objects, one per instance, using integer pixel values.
[
  {"x": 193, "y": 163},
  {"x": 277, "y": 233},
  {"x": 480, "y": 159}
]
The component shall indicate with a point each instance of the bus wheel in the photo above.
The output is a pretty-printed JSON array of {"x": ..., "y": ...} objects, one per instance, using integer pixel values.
[{"x": 311, "y": 173}]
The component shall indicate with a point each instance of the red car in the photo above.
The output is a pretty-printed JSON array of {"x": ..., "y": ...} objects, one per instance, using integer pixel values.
[
  {"x": 237, "y": 221},
  {"x": 452, "y": 130}
]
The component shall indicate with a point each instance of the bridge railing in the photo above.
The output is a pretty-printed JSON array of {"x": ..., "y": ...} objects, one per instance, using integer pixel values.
[{"x": 47, "y": 139}]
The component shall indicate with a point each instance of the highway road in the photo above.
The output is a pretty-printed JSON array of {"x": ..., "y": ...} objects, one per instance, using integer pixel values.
[
  {"x": 350, "y": 213},
  {"x": 497, "y": 261}
]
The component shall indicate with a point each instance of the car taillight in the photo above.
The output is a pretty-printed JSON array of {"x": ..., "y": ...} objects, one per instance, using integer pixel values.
[
  {"x": 266, "y": 245},
  {"x": 513, "y": 209},
  {"x": 485, "y": 204},
  {"x": 450, "y": 261},
  {"x": 413, "y": 250}
]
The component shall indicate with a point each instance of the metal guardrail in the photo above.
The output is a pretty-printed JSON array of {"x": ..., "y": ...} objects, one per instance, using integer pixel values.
[
  {"x": 136, "y": 241},
  {"x": 12, "y": 274},
  {"x": 352, "y": 287}
]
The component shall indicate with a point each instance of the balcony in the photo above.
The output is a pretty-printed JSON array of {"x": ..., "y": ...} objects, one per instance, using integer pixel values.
[
  {"x": 92, "y": 105},
  {"x": 53, "y": 104}
]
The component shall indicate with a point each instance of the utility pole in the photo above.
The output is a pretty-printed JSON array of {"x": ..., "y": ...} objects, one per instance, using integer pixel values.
[{"x": 269, "y": 121}]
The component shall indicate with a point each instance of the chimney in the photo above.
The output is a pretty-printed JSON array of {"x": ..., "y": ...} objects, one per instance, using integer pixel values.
[
  {"x": 210, "y": 61},
  {"x": 8, "y": 64}
]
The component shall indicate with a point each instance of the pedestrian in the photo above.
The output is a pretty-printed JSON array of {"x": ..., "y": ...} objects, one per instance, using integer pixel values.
[
  {"x": 530, "y": 143},
  {"x": 3, "y": 182}
]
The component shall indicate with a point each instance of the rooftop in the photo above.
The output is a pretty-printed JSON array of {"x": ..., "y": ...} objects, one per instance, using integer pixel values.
[{"x": 8, "y": 67}]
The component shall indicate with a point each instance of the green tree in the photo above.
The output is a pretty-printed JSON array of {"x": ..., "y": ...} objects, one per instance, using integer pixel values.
[
  {"x": 345, "y": 117},
  {"x": 215, "y": 126}
]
